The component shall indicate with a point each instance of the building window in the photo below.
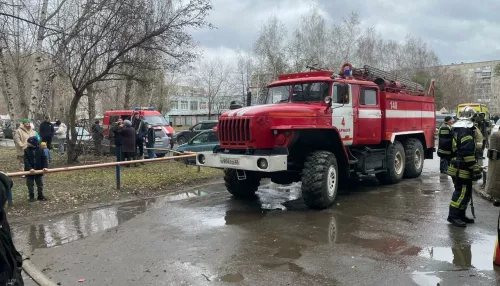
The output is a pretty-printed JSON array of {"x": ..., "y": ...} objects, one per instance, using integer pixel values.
[
  {"x": 194, "y": 105},
  {"x": 203, "y": 105},
  {"x": 486, "y": 74},
  {"x": 175, "y": 105},
  {"x": 184, "y": 105}
]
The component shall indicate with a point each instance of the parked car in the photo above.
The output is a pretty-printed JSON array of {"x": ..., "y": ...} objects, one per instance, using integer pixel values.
[
  {"x": 162, "y": 142},
  {"x": 7, "y": 128},
  {"x": 496, "y": 127},
  {"x": 186, "y": 135},
  {"x": 204, "y": 141}
]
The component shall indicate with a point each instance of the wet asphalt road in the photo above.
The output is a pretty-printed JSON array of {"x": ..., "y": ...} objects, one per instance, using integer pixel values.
[{"x": 375, "y": 235}]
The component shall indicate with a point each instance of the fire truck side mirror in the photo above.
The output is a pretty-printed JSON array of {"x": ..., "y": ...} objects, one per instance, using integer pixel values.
[{"x": 328, "y": 100}]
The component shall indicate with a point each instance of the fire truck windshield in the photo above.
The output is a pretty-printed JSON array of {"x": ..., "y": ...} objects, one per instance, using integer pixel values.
[{"x": 300, "y": 92}]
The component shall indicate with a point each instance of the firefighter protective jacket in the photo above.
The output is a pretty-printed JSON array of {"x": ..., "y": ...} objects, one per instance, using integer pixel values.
[
  {"x": 463, "y": 163},
  {"x": 445, "y": 135}
]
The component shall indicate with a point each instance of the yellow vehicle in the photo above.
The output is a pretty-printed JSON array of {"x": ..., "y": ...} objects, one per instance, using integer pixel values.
[{"x": 479, "y": 107}]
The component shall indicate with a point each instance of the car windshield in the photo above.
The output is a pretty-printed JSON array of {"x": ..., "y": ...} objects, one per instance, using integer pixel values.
[
  {"x": 498, "y": 122},
  {"x": 300, "y": 92},
  {"x": 155, "y": 120},
  {"x": 200, "y": 138}
]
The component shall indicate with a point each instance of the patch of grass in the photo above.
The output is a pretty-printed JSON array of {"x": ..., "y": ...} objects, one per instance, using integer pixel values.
[{"x": 72, "y": 190}]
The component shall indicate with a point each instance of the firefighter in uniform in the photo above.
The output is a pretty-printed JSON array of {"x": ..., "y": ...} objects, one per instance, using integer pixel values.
[
  {"x": 463, "y": 167},
  {"x": 445, "y": 136},
  {"x": 493, "y": 178}
]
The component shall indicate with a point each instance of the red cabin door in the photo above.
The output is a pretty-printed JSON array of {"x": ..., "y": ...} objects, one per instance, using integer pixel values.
[{"x": 369, "y": 124}]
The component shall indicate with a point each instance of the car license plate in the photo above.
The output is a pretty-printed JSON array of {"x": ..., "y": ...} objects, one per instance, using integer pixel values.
[
  {"x": 230, "y": 161},
  {"x": 158, "y": 139}
]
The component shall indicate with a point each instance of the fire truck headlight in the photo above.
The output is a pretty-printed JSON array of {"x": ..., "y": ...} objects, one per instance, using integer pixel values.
[
  {"x": 262, "y": 163},
  {"x": 201, "y": 159}
]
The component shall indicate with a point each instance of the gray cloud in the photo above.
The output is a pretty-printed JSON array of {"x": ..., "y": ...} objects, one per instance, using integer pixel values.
[{"x": 456, "y": 30}]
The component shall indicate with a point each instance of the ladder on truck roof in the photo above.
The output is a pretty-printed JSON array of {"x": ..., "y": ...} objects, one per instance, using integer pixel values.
[{"x": 373, "y": 74}]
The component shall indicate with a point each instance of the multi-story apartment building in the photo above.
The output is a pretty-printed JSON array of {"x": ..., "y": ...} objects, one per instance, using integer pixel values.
[{"x": 484, "y": 84}]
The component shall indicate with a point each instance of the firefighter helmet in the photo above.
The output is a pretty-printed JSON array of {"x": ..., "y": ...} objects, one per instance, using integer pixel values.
[{"x": 467, "y": 112}]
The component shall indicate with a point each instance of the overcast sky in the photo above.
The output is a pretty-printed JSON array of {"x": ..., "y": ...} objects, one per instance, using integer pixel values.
[{"x": 457, "y": 30}]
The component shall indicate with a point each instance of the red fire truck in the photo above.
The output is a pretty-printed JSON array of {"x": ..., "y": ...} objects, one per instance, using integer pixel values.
[{"x": 324, "y": 129}]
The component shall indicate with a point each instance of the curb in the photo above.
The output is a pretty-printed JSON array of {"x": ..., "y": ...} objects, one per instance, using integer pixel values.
[
  {"x": 36, "y": 274},
  {"x": 482, "y": 194}
]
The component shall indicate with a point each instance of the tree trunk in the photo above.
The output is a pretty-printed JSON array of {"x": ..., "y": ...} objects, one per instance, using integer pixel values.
[
  {"x": 72, "y": 151},
  {"x": 43, "y": 109},
  {"x": 91, "y": 103},
  {"x": 9, "y": 95},
  {"x": 128, "y": 91},
  {"x": 36, "y": 81}
]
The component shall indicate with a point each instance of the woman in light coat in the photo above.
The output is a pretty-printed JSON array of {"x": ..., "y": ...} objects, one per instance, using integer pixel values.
[
  {"x": 61, "y": 135},
  {"x": 21, "y": 139}
]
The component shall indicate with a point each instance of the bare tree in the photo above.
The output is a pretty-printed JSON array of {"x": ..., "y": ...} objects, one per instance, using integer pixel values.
[
  {"x": 245, "y": 70},
  {"x": 212, "y": 76},
  {"x": 270, "y": 46},
  {"x": 36, "y": 81},
  {"x": 101, "y": 34},
  {"x": 7, "y": 90}
]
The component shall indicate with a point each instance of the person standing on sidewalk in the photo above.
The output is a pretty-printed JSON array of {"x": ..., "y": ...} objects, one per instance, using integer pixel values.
[
  {"x": 129, "y": 139},
  {"x": 97, "y": 136},
  {"x": 61, "y": 135},
  {"x": 35, "y": 160},
  {"x": 463, "y": 167},
  {"x": 11, "y": 260},
  {"x": 493, "y": 175},
  {"x": 47, "y": 132},
  {"x": 21, "y": 140},
  {"x": 150, "y": 141},
  {"x": 445, "y": 134},
  {"x": 118, "y": 138},
  {"x": 140, "y": 133}
]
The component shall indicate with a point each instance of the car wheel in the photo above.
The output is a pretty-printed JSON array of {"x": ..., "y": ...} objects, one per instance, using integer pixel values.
[{"x": 181, "y": 140}]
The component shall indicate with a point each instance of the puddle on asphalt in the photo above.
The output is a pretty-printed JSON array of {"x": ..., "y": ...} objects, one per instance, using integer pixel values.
[
  {"x": 477, "y": 255},
  {"x": 78, "y": 226},
  {"x": 290, "y": 266},
  {"x": 231, "y": 278},
  {"x": 425, "y": 278}
]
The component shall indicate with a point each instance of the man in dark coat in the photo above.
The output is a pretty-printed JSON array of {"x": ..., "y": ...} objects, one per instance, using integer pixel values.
[
  {"x": 34, "y": 160},
  {"x": 444, "y": 151},
  {"x": 97, "y": 136},
  {"x": 47, "y": 132},
  {"x": 140, "y": 132},
  {"x": 10, "y": 260},
  {"x": 129, "y": 139},
  {"x": 118, "y": 138},
  {"x": 150, "y": 141}
]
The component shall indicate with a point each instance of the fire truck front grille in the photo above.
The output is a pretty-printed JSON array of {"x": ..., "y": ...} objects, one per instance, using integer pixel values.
[{"x": 234, "y": 131}]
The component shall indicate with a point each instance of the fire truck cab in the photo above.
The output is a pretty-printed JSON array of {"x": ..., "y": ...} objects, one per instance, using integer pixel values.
[{"x": 325, "y": 129}]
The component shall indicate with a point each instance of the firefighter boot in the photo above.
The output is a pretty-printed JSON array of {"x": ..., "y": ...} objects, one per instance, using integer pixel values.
[
  {"x": 464, "y": 218},
  {"x": 456, "y": 222}
]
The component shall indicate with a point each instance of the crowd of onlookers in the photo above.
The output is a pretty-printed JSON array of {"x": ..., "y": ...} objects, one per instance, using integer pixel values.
[{"x": 33, "y": 149}]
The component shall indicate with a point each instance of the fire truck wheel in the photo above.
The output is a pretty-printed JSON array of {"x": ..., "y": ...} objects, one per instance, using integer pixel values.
[
  {"x": 414, "y": 158},
  {"x": 241, "y": 188},
  {"x": 395, "y": 164},
  {"x": 320, "y": 180}
]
